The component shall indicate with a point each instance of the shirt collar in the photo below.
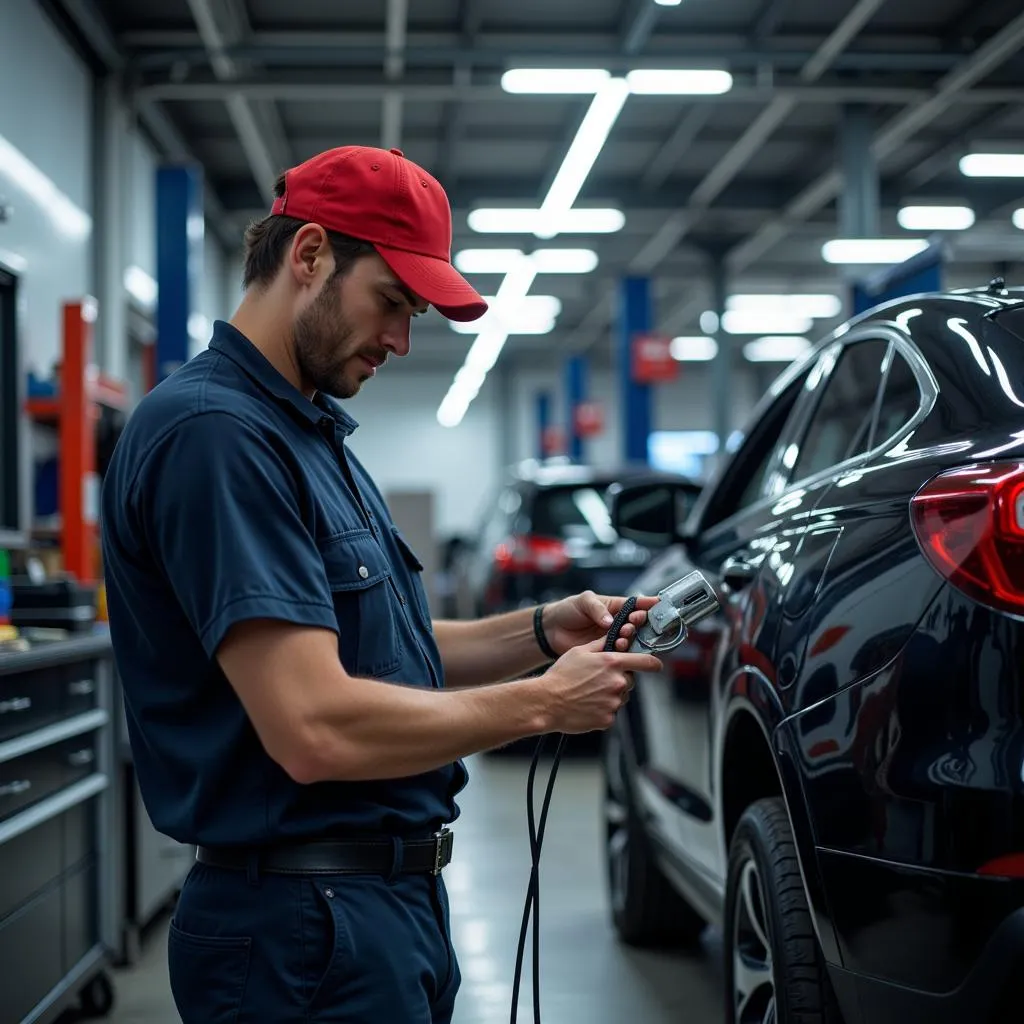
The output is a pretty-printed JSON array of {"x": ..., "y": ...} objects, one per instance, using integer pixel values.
[{"x": 231, "y": 342}]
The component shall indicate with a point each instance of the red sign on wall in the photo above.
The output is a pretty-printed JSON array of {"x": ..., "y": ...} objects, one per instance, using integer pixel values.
[
  {"x": 553, "y": 440},
  {"x": 652, "y": 359},
  {"x": 588, "y": 419}
]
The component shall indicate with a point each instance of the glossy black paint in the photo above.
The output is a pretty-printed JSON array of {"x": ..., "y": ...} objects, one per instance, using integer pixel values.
[{"x": 845, "y": 674}]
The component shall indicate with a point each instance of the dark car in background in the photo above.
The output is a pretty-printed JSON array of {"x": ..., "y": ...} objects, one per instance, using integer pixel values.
[
  {"x": 831, "y": 769},
  {"x": 548, "y": 533}
]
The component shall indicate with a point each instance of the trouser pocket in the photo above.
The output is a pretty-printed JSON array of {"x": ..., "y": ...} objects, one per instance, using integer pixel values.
[
  {"x": 328, "y": 942},
  {"x": 208, "y": 975}
]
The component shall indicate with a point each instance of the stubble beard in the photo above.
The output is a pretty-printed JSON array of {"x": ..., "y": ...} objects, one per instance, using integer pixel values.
[{"x": 323, "y": 346}]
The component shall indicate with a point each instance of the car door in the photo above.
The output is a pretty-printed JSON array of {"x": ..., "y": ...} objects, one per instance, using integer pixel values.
[{"x": 736, "y": 524}]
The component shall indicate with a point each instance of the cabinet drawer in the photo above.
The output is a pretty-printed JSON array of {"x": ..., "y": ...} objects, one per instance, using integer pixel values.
[
  {"x": 27, "y": 863},
  {"x": 79, "y": 833},
  {"x": 81, "y": 926},
  {"x": 30, "y": 955},
  {"x": 31, "y": 700},
  {"x": 32, "y": 777}
]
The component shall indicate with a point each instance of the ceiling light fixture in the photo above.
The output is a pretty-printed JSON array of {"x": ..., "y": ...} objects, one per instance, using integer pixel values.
[
  {"x": 694, "y": 350},
  {"x": 567, "y": 81},
  {"x": 584, "y": 150},
  {"x": 545, "y": 261},
  {"x": 533, "y": 314},
  {"x": 935, "y": 218},
  {"x": 871, "y": 250},
  {"x": 772, "y": 349},
  {"x": 1018, "y": 218},
  {"x": 672, "y": 82},
  {"x": 502, "y": 221},
  {"x": 819, "y": 307},
  {"x": 992, "y": 165},
  {"x": 767, "y": 321}
]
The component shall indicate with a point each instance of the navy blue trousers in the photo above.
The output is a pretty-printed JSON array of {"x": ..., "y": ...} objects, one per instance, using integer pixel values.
[{"x": 271, "y": 949}]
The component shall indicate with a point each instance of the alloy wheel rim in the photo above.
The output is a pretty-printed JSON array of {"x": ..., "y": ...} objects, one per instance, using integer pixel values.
[
  {"x": 616, "y": 824},
  {"x": 753, "y": 977}
]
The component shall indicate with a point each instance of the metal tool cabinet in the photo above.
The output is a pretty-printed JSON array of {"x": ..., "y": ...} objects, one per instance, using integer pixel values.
[{"x": 57, "y": 868}]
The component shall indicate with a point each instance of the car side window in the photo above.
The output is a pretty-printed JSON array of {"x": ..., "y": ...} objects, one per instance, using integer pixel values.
[
  {"x": 901, "y": 399},
  {"x": 745, "y": 480},
  {"x": 840, "y": 426}
]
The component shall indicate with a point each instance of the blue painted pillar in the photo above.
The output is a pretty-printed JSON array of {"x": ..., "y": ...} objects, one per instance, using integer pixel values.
[
  {"x": 575, "y": 393},
  {"x": 543, "y": 410},
  {"x": 179, "y": 261},
  {"x": 635, "y": 317}
]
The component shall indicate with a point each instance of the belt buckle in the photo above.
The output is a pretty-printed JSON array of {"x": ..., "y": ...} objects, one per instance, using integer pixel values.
[{"x": 443, "y": 843}]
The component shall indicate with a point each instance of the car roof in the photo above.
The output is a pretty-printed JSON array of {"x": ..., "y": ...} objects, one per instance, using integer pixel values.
[{"x": 556, "y": 473}]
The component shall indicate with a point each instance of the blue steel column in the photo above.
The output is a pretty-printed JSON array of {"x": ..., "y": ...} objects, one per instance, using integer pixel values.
[
  {"x": 575, "y": 393},
  {"x": 543, "y": 408},
  {"x": 179, "y": 252},
  {"x": 635, "y": 317}
]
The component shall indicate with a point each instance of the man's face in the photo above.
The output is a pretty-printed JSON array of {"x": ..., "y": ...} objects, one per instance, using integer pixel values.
[{"x": 352, "y": 325}]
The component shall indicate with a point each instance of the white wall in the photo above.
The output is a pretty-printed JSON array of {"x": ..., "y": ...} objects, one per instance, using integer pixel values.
[
  {"x": 404, "y": 447},
  {"x": 45, "y": 149}
]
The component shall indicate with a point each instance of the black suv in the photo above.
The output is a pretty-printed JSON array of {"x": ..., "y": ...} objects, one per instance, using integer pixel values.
[{"x": 831, "y": 769}]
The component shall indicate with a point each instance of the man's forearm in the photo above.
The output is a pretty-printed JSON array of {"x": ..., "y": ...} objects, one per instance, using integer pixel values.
[
  {"x": 374, "y": 730},
  {"x": 488, "y": 650}
]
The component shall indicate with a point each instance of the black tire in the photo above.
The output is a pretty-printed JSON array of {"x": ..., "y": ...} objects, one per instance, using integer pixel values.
[
  {"x": 772, "y": 958},
  {"x": 97, "y": 998},
  {"x": 646, "y": 910}
]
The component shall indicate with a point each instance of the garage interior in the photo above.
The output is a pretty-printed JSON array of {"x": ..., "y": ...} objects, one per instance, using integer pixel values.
[{"x": 667, "y": 203}]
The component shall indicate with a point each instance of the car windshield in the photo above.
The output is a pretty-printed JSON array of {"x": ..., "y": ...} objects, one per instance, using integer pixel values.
[{"x": 574, "y": 513}]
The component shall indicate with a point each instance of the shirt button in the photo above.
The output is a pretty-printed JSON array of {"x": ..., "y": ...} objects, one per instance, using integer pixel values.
[
  {"x": 363, "y": 571},
  {"x": 329, "y": 893},
  {"x": 401, "y": 600}
]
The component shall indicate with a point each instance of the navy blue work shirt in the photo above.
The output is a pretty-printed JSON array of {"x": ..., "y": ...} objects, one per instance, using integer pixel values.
[{"x": 231, "y": 496}]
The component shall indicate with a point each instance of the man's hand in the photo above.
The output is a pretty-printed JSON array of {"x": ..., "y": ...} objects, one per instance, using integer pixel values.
[{"x": 586, "y": 617}]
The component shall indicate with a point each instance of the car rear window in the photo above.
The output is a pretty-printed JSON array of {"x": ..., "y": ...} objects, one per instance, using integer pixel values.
[{"x": 574, "y": 512}]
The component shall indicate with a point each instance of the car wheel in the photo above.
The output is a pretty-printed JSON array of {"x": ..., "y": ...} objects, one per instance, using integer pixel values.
[
  {"x": 646, "y": 910},
  {"x": 774, "y": 970}
]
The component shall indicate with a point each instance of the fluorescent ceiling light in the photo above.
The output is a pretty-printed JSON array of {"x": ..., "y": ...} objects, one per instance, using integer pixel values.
[
  {"x": 871, "y": 250},
  {"x": 532, "y": 314},
  {"x": 140, "y": 285},
  {"x": 69, "y": 218},
  {"x": 583, "y": 152},
  {"x": 1018, "y": 218},
  {"x": 992, "y": 165},
  {"x": 564, "y": 261},
  {"x": 694, "y": 350},
  {"x": 654, "y": 82},
  {"x": 668, "y": 3},
  {"x": 935, "y": 218},
  {"x": 500, "y": 221},
  {"x": 754, "y": 321},
  {"x": 487, "y": 261},
  {"x": 820, "y": 307},
  {"x": 545, "y": 261},
  {"x": 776, "y": 349},
  {"x": 554, "y": 80}
]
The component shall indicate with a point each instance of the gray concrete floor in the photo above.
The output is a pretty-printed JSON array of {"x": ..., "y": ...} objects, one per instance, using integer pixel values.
[{"x": 586, "y": 975}]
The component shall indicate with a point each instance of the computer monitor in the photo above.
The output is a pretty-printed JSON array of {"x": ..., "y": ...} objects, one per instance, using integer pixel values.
[{"x": 13, "y": 486}]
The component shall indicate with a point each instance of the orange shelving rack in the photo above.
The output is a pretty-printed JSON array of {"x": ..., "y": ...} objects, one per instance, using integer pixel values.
[{"x": 75, "y": 412}]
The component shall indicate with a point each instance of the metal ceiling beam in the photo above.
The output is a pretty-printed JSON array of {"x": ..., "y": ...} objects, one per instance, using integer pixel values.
[
  {"x": 323, "y": 89},
  {"x": 751, "y": 141},
  {"x": 903, "y": 52},
  {"x": 895, "y": 133},
  {"x": 397, "y": 24},
  {"x": 638, "y": 21},
  {"x": 223, "y": 24},
  {"x": 768, "y": 19}
]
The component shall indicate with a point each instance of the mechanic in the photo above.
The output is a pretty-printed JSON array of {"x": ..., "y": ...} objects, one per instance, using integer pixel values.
[{"x": 292, "y": 709}]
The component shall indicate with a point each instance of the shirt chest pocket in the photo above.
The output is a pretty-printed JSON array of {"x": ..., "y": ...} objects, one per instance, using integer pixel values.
[{"x": 365, "y": 603}]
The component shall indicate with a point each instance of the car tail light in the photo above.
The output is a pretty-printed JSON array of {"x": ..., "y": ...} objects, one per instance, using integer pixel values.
[
  {"x": 531, "y": 554},
  {"x": 970, "y": 525}
]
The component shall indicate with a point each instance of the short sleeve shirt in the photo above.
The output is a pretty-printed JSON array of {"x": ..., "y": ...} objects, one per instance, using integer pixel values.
[{"x": 232, "y": 496}]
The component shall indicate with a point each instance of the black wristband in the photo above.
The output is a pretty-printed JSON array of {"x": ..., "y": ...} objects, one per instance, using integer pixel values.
[{"x": 538, "y": 632}]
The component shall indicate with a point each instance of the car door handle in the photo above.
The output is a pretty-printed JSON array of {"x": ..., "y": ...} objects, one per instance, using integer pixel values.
[{"x": 737, "y": 573}]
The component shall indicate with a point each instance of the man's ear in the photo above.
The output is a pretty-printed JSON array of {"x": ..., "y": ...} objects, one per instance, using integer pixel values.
[{"x": 309, "y": 252}]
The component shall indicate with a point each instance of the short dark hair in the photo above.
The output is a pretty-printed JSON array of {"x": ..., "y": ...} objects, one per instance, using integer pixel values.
[{"x": 266, "y": 241}]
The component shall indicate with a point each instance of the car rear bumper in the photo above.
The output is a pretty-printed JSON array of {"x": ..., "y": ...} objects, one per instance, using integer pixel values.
[{"x": 924, "y": 945}]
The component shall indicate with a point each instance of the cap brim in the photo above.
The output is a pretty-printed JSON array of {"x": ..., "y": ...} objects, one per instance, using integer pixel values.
[{"x": 437, "y": 282}]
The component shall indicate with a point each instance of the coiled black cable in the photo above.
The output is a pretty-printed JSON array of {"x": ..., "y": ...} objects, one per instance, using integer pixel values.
[{"x": 537, "y": 840}]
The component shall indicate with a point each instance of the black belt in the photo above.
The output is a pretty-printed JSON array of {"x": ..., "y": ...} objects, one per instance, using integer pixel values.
[{"x": 338, "y": 856}]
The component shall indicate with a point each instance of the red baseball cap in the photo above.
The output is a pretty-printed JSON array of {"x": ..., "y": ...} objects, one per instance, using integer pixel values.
[{"x": 379, "y": 196}]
